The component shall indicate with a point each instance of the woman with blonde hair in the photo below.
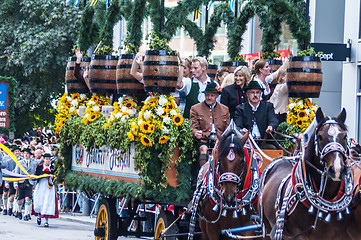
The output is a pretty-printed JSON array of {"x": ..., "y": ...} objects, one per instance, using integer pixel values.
[
  {"x": 233, "y": 95},
  {"x": 228, "y": 80},
  {"x": 262, "y": 74},
  {"x": 279, "y": 97}
]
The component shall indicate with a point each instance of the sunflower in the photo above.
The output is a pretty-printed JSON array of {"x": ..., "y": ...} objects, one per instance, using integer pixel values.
[
  {"x": 130, "y": 136},
  {"x": 152, "y": 101},
  {"x": 177, "y": 119},
  {"x": 146, "y": 141},
  {"x": 163, "y": 114},
  {"x": 75, "y": 96},
  {"x": 169, "y": 106},
  {"x": 145, "y": 127},
  {"x": 135, "y": 131},
  {"x": 302, "y": 114},
  {"x": 129, "y": 104},
  {"x": 95, "y": 98},
  {"x": 92, "y": 117},
  {"x": 151, "y": 128},
  {"x": 163, "y": 139},
  {"x": 299, "y": 123}
]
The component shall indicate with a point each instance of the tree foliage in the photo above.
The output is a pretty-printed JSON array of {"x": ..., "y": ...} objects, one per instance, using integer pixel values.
[{"x": 36, "y": 39}]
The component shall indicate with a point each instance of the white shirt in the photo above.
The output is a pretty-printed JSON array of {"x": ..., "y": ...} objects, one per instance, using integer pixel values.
[
  {"x": 187, "y": 85},
  {"x": 268, "y": 80}
]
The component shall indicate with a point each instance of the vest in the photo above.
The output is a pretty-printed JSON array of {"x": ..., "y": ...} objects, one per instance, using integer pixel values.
[{"x": 191, "y": 99}]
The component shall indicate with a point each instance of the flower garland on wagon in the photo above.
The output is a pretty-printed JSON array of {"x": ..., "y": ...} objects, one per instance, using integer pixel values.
[{"x": 300, "y": 114}]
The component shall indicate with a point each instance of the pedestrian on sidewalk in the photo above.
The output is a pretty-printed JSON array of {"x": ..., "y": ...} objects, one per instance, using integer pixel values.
[{"x": 45, "y": 201}]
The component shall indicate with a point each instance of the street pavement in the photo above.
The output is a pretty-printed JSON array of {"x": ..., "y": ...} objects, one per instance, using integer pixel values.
[{"x": 67, "y": 226}]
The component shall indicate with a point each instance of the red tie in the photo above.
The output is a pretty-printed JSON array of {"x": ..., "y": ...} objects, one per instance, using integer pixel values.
[{"x": 47, "y": 170}]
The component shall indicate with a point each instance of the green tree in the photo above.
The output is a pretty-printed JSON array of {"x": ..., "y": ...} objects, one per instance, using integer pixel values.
[{"x": 36, "y": 39}]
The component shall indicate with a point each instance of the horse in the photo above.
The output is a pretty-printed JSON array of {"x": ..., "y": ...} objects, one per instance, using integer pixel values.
[
  {"x": 225, "y": 196},
  {"x": 308, "y": 197}
]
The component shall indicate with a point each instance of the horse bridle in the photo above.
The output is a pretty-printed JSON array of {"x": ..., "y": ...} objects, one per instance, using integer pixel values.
[{"x": 329, "y": 147}]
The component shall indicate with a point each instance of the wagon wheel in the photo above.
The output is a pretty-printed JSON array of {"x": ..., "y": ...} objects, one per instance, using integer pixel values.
[
  {"x": 165, "y": 218},
  {"x": 106, "y": 223}
]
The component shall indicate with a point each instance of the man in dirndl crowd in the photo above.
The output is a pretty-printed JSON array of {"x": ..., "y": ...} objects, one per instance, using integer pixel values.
[
  {"x": 9, "y": 190},
  {"x": 25, "y": 187},
  {"x": 45, "y": 201}
]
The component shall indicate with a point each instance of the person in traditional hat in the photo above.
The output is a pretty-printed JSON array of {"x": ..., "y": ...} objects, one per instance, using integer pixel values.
[
  {"x": 256, "y": 116},
  {"x": 25, "y": 187},
  {"x": 206, "y": 114},
  {"x": 9, "y": 190},
  {"x": 45, "y": 201}
]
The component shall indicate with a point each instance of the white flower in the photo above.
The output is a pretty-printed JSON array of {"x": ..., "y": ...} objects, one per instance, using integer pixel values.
[
  {"x": 162, "y": 100},
  {"x": 308, "y": 111},
  {"x": 167, "y": 120},
  {"x": 140, "y": 122},
  {"x": 131, "y": 112},
  {"x": 96, "y": 108},
  {"x": 74, "y": 103},
  {"x": 173, "y": 112},
  {"x": 314, "y": 108},
  {"x": 118, "y": 115},
  {"x": 300, "y": 103},
  {"x": 124, "y": 117},
  {"x": 82, "y": 96},
  {"x": 159, "y": 110},
  {"x": 68, "y": 99},
  {"x": 72, "y": 109},
  {"x": 90, "y": 102},
  {"x": 147, "y": 114},
  {"x": 165, "y": 130},
  {"x": 292, "y": 105}
]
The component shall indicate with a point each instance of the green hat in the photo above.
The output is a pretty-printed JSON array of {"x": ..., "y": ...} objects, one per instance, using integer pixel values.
[
  {"x": 212, "y": 87},
  {"x": 253, "y": 85},
  {"x": 27, "y": 150},
  {"x": 15, "y": 147},
  {"x": 47, "y": 155},
  {"x": 7, "y": 144}
]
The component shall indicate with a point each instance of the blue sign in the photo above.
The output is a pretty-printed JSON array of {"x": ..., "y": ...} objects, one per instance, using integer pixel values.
[{"x": 3, "y": 95}]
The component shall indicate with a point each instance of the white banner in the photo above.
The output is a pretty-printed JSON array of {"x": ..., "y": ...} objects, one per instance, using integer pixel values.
[{"x": 104, "y": 162}]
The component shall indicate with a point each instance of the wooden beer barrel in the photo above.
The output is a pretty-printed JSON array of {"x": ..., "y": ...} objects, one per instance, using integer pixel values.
[
  {"x": 212, "y": 71},
  {"x": 304, "y": 77},
  {"x": 231, "y": 66},
  {"x": 126, "y": 83},
  {"x": 102, "y": 74},
  {"x": 160, "y": 71},
  {"x": 274, "y": 65},
  {"x": 72, "y": 84}
]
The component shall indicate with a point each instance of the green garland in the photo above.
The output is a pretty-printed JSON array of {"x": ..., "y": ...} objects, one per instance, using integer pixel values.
[
  {"x": 87, "y": 30},
  {"x": 11, "y": 110},
  {"x": 112, "y": 16}
]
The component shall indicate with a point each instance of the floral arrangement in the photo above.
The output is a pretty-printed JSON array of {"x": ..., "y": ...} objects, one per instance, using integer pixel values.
[
  {"x": 66, "y": 105},
  {"x": 94, "y": 107},
  {"x": 124, "y": 108},
  {"x": 300, "y": 113}
]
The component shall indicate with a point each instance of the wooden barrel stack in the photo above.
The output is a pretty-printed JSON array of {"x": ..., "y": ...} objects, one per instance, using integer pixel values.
[
  {"x": 231, "y": 66},
  {"x": 160, "y": 71},
  {"x": 126, "y": 83},
  {"x": 212, "y": 71},
  {"x": 275, "y": 65},
  {"x": 102, "y": 74},
  {"x": 304, "y": 77},
  {"x": 72, "y": 84}
]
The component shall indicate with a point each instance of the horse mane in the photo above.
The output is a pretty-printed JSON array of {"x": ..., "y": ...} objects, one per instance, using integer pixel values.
[
  {"x": 224, "y": 143},
  {"x": 310, "y": 150}
]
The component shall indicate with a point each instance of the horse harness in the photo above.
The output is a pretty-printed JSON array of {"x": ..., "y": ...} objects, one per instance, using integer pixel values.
[{"x": 298, "y": 187}]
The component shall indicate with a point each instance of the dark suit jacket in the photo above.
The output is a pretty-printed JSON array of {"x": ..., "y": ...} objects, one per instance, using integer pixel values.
[
  {"x": 40, "y": 171},
  {"x": 265, "y": 116},
  {"x": 232, "y": 96},
  {"x": 202, "y": 117}
]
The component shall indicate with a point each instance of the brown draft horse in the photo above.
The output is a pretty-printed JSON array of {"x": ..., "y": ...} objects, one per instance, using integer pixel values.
[
  {"x": 225, "y": 202},
  {"x": 309, "y": 198}
]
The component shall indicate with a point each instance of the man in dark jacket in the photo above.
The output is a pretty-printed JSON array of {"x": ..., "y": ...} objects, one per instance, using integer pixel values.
[{"x": 256, "y": 116}]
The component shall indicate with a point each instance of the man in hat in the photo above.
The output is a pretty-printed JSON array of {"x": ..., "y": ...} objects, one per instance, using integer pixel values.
[
  {"x": 25, "y": 187},
  {"x": 194, "y": 87},
  {"x": 9, "y": 190},
  {"x": 207, "y": 114},
  {"x": 256, "y": 116}
]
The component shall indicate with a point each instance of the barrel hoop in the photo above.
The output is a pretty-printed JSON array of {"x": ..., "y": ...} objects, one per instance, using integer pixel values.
[
  {"x": 127, "y": 56},
  {"x": 159, "y": 89},
  {"x": 103, "y": 90},
  {"x": 233, "y": 64},
  {"x": 82, "y": 68},
  {"x": 306, "y": 94},
  {"x": 213, "y": 67},
  {"x": 160, "y": 53},
  {"x": 154, "y": 63},
  {"x": 305, "y": 59},
  {"x": 70, "y": 68},
  {"x": 104, "y": 57},
  {"x": 99, "y": 80},
  {"x": 85, "y": 59},
  {"x": 305, "y": 70},
  {"x": 78, "y": 90},
  {"x": 110, "y": 67},
  {"x": 166, "y": 78},
  {"x": 130, "y": 91},
  {"x": 72, "y": 81},
  {"x": 71, "y": 59},
  {"x": 127, "y": 80},
  {"x": 303, "y": 83},
  {"x": 124, "y": 66}
]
